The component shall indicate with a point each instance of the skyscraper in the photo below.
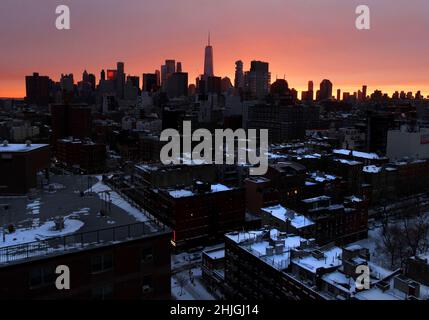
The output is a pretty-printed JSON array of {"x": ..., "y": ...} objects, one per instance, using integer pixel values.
[
  {"x": 325, "y": 90},
  {"x": 258, "y": 79},
  {"x": 239, "y": 75},
  {"x": 310, "y": 92},
  {"x": 179, "y": 67},
  {"x": 150, "y": 82},
  {"x": 208, "y": 61},
  {"x": 120, "y": 80},
  {"x": 364, "y": 92}
]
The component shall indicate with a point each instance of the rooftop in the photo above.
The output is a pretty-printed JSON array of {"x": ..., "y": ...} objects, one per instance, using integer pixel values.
[
  {"x": 357, "y": 154},
  {"x": 37, "y": 217},
  {"x": 297, "y": 221},
  {"x": 271, "y": 246},
  {"x": 20, "y": 148},
  {"x": 183, "y": 193}
]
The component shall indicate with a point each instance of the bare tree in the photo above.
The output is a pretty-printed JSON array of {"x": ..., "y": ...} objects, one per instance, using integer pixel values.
[
  {"x": 182, "y": 281},
  {"x": 416, "y": 231}
]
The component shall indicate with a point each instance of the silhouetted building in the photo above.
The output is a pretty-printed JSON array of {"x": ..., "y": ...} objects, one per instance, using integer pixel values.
[
  {"x": 37, "y": 89},
  {"x": 258, "y": 79},
  {"x": 70, "y": 121},
  {"x": 325, "y": 92},
  {"x": 150, "y": 82},
  {"x": 177, "y": 85},
  {"x": 208, "y": 60}
]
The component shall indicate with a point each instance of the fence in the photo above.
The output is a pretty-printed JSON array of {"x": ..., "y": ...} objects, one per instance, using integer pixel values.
[{"x": 79, "y": 241}]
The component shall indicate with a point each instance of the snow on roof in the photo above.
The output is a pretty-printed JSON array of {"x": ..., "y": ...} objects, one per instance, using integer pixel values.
[
  {"x": 331, "y": 258},
  {"x": 349, "y": 162},
  {"x": 183, "y": 193},
  {"x": 21, "y": 147},
  {"x": 46, "y": 230},
  {"x": 317, "y": 199},
  {"x": 354, "y": 199},
  {"x": 219, "y": 188},
  {"x": 372, "y": 169},
  {"x": 216, "y": 254},
  {"x": 298, "y": 221},
  {"x": 357, "y": 154},
  {"x": 322, "y": 177},
  {"x": 376, "y": 293}
]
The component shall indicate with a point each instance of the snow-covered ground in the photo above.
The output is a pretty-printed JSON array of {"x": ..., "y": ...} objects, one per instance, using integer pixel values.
[{"x": 191, "y": 291}]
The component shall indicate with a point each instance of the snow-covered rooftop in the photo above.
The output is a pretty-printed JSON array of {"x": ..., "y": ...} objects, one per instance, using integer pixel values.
[
  {"x": 183, "y": 193},
  {"x": 330, "y": 258},
  {"x": 259, "y": 244},
  {"x": 357, "y": 154},
  {"x": 297, "y": 221},
  {"x": 20, "y": 147}
]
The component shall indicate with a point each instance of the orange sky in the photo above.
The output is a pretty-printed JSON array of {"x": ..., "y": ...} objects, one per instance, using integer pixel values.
[{"x": 302, "y": 39}]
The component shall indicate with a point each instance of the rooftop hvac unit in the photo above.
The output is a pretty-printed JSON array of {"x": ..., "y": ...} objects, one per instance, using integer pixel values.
[{"x": 270, "y": 251}]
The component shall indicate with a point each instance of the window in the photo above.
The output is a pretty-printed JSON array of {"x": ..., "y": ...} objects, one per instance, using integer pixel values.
[
  {"x": 42, "y": 276},
  {"x": 101, "y": 263},
  {"x": 147, "y": 284},
  {"x": 147, "y": 255},
  {"x": 102, "y": 293}
]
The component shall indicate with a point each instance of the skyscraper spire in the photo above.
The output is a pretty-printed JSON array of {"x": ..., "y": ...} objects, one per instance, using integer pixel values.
[{"x": 208, "y": 60}]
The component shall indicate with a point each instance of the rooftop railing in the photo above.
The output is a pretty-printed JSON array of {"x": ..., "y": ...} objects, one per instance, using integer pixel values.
[{"x": 80, "y": 241}]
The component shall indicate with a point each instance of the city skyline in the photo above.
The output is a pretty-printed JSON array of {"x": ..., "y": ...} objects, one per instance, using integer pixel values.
[{"x": 302, "y": 47}]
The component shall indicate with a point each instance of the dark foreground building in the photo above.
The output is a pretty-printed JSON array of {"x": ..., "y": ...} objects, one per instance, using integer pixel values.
[{"x": 124, "y": 262}]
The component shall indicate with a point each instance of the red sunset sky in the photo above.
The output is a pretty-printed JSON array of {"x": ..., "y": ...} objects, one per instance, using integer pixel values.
[{"x": 302, "y": 39}]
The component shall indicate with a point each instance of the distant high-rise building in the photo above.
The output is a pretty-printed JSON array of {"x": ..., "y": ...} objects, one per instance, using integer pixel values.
[
  {"x": 214, "y": 85},
  {"x": 163, "y": 75},
  {"x": 258, "y": 79},
  {"x": 179, "y": 67},
  {"x": 85, "y": 76},
  {"x": 170, "y": 67},
  {"x": 103, "y": 75},
  {"x": 208, "y": 60},
  {"x": 308, "y": 96},
  {"x": 364, "y": 92},
  {"x": 135, "y": 80},
  {"x": 338, "y": 94},
  {"x": 226, "y": 84},
  {"x": 150, "y": 82},
  {"x": 67, "y": 82},
  {"x": 177, "y": 85},
  {"x": 239, "y": 75},
  {"x": 120, "y": 80},
  {"x": 92, "y": 80},
  {"x": 112, "y": 74},
  {"x": 158, "y": 78},
  {"x": 325, "y": 90},
  {"x": 37, "y": 89},
  {"x": 310, "y": 86}
]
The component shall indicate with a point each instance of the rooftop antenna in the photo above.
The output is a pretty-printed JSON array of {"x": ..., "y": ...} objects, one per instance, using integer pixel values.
[{"x": 209, "y": 38}]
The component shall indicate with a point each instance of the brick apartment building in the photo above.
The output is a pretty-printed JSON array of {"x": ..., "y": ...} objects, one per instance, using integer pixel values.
[
  {"x": 88, "y": 156},
  {"x": 19, "y": 165},
  {"x": 124, "y": 262}
]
